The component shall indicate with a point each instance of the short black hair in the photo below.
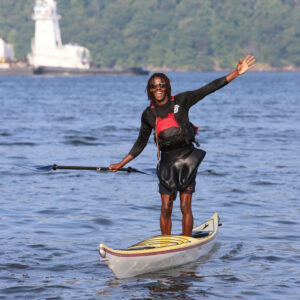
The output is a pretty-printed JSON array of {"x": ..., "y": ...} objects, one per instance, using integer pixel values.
[{"x": 163, "y": 78}]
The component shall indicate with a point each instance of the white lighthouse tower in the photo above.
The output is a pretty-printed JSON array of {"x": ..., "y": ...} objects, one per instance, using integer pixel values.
[{"x": 47, "y": 48}]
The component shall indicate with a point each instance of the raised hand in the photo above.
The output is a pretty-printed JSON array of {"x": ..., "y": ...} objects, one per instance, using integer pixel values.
[{"x": 246, "y": 64}]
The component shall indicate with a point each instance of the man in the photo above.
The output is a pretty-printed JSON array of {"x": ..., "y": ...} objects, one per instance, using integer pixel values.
[{"x": 174, "y": 135}]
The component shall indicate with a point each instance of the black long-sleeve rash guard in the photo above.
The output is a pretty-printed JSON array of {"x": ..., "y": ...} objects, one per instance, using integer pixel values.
[{"x": 182, "y": 103}]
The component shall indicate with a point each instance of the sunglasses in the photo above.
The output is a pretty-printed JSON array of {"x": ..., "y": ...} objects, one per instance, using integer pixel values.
[{"x": 162, "y": 85}]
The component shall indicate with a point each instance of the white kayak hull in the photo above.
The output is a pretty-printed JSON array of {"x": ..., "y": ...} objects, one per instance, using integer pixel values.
[{"x": 161, "y": 252}]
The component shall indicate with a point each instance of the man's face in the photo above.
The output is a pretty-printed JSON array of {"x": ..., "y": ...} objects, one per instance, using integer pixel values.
[{"x": 158, "y": 88}]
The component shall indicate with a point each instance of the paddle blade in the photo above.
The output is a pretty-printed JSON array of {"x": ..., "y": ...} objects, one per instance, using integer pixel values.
[
  {"x": 129, "y": 169},
  {"x": 36, "y": 168},
  {"x": 45, "y": 168}
]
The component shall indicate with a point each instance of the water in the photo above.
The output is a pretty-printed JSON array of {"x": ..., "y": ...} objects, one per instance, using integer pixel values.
[{"x": 52, "y": 223}]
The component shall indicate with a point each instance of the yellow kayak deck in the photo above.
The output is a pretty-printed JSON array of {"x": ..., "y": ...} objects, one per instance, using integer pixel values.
[{"x": 169, "y": 243}]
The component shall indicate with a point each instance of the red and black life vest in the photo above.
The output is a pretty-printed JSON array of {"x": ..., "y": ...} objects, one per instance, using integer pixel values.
[{"x": 169, "y": 132}]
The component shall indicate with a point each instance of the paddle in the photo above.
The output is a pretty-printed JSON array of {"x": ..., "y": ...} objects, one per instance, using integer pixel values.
[{"x": 56, "y": 167}]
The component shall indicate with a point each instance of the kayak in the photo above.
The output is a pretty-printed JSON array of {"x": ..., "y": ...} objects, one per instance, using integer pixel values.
[{"x": 161, "y": 252}]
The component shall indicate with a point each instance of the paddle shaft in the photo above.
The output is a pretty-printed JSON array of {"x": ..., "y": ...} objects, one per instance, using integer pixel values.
[{"x": 56, "y": 167}]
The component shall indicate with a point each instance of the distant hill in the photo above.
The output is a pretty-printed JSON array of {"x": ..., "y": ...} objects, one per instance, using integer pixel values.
[{"x": 169, "y": 34}]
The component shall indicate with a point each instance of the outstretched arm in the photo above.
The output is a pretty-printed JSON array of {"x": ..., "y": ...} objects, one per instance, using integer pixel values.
[
  {"x": 243, "y": 66},
  {"x": 192, "y": 97}
]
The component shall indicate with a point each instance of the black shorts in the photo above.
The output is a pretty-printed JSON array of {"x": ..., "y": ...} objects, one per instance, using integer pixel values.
[{"x": 189, "y": 190}]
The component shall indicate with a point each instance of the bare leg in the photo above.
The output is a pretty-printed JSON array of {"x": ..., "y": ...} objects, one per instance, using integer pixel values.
[
  {"x": 187, "y": 215},
  {"x": 165, "y": 216}
]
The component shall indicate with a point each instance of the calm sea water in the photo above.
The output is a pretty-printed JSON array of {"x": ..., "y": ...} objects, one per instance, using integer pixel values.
[{"x": 51, "y": 223}]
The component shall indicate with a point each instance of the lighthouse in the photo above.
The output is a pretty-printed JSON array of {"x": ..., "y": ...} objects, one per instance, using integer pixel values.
[{"x": 47, "y": 49}]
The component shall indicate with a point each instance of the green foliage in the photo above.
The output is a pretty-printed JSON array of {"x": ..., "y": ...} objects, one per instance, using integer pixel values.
[{"x": 183, "y": 34}]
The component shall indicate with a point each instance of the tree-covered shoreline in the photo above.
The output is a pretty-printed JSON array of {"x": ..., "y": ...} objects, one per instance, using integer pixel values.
[{"x": 176, "y": 35}]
